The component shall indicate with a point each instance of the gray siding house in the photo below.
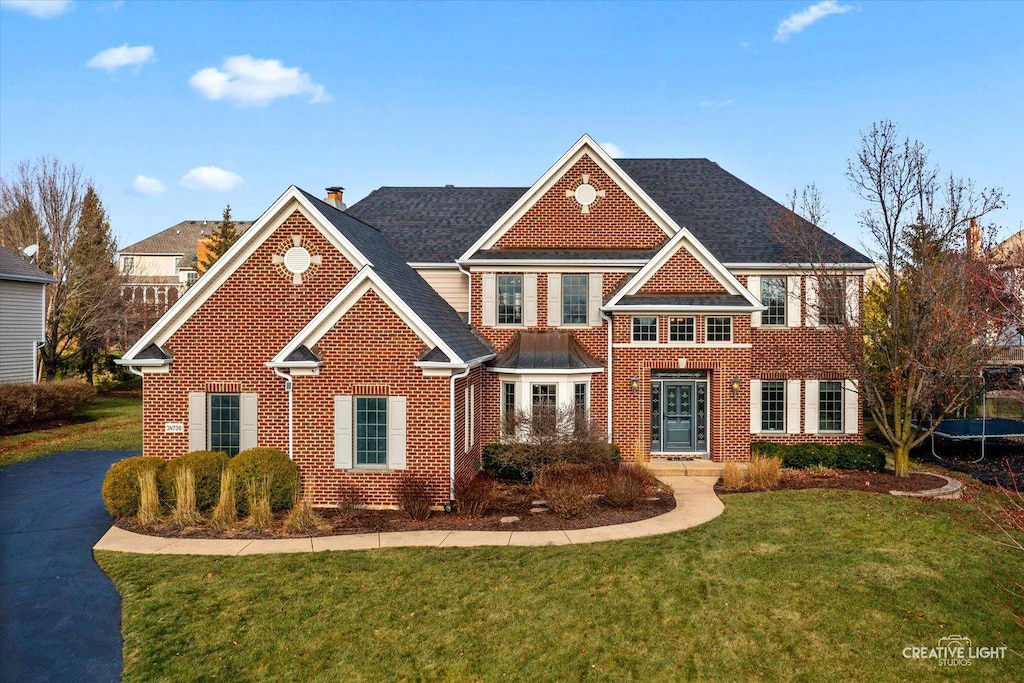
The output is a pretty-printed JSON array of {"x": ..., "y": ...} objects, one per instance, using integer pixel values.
[{"x": 22, "y": 317}]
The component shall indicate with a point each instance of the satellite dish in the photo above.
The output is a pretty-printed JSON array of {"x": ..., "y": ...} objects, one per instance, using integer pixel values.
[{"x": 30, "y": 251}]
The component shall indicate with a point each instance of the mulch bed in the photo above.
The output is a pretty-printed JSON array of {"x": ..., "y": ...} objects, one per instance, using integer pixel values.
[
  {"x": 851, "y": 480},
  {"x": 510, "y": 501},
  {"x": 1003, "y": 458}
]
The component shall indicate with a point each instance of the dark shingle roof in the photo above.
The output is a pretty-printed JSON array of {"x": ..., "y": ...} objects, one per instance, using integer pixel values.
[
  {"x": 434, "y": 224},
  {"x": 723, "y": 301},
  {"x": 153, "y": 352},
  {"x": 302, "y": 354},
  {"x": 406, "y": 282},
  {"x": 545, "y": 351},
  {"x": 13, "y": 267},
  {"x": 180, "y": 238},
  {"x": 550, "y": 254},
  {"x": 731, "y": 218}
]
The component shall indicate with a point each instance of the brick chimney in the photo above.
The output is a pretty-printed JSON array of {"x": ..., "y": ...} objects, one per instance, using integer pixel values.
[
  {"x": 334, "y": 195},
  {"x": 974, "y": 239}
]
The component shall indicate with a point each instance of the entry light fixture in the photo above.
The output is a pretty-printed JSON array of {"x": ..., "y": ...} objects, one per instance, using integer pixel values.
[
  {"x": 634, "y": 383},
  {"x": 735, "y": 385}
]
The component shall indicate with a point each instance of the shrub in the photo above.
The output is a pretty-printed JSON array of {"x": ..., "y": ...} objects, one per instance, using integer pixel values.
[
  {"x": 763, "y": 472},
  {"x": 349, "y": 503},
  {"x": 149, "y": 497},
  {"x": 281, "y": 474},
  {"x": 257, "y": 498},
  {"x": 860, "y": 457},
  {"x": 414, "y": 496},
  {"x": 225, "y": 515},
  {"x": 303, "y": 518},
  {"x": 473, "y": 493},
  {"x": 495, "y": 461},
  {"x": 625, "y": 485},
  {"x": 121, "y": 484},
  {"x": 768, "y": 448},
  {"x": 567, "y": 488},
  {"x": 206, "y": 468},
  {"x": 25, "y": 406},
  {"x": 185, "y": 513},
  {"x": 733, "y": 476}
]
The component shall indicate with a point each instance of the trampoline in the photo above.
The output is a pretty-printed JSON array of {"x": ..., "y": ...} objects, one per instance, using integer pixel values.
[{"x": 979, "y": 428}]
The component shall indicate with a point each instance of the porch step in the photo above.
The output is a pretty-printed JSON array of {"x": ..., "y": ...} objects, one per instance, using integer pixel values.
[{"x": 685, "y": 468}]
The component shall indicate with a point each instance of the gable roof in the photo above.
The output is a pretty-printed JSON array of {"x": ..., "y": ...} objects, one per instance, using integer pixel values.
[
  {"x": 180, "y": 238},
  {"x": 13, "y": 267},
  {"x": 728, "y": 216}
]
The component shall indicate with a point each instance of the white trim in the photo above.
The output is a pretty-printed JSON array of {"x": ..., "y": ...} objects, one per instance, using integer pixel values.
[
  {"x": 754, "y": 283},
  {"x": 712, "y": 265},
  {"x": 266, "y": 225},
  {"x": 535, "y": 371},
  {"x": 636, "y": 309},
  {"x": 542, "y": 264},
  {"x": 584, "y": 146},
  {"x": 365, "y": 280},
  {"x": 680, "y": 345},
  {"x": 451, "y": 265}
]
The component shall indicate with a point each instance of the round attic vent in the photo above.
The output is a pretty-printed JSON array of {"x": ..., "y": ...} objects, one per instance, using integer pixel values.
[
  {"x": 586, "y": 194},
  {"x": 297, "y": 260}
]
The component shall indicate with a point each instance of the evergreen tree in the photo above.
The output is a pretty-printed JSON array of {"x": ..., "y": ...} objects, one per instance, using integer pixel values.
[{"x": 223, "y": 236}]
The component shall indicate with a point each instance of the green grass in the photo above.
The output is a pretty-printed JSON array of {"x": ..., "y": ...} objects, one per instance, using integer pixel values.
[
  {"x": 110, "y": 424},
  {"x": 816, "y": 585}
]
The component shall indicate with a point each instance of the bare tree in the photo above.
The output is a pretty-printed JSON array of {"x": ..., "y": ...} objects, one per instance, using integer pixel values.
[
  {"x": 932, "y": 316},
  {"x": 42, "y": 204},
  {"x": 552, "y": 434}
]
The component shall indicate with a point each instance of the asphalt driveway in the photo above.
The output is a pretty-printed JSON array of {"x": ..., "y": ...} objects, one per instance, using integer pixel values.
[{"x": 60, "y": 616}]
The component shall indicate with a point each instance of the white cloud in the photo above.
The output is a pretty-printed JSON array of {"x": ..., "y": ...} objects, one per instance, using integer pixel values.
[
  {"x": 250, "y": 81},
  {"x": 40, "y": 9},
  {"x": 114, "y": 58},
  {"x": 614, "y": 151},
  {"x": 715, "y": 104},
  {"x": 147, "y": 186},
  {"x": 211, "y": 178},
  {"x": 746, "y": 45},
  {"x": 797, "y": 22}
]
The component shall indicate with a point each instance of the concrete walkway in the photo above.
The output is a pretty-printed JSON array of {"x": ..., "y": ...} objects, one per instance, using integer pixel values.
[
  {"x": 60, "y": 616},
  {"x": 696, "y": 503}
]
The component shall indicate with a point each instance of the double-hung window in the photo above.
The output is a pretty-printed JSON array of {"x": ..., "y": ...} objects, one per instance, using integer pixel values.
[
  {"x": 773, "y": 296},
  {"x": 830, "y": 407},
  {"x": 680, "y": 329},
  {"x": 773, "y": 406},
  {"x": 545, "y": 408},
  {"x": 579, "y": 404},
  {"x": 508, "y": 408},
  {"x": 225, "y": 421},
  {"x": 510, "y": 299},
  {"x": 645, "y": 328},
  {"x": 574, "y": 299},
  {"x": 371, "y": 430},
  {"x": 719, "y": 329},
  {"x": 831, "y": 301}
]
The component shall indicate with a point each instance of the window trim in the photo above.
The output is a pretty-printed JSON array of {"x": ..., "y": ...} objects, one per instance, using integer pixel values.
[
  {"x": 707, "y": 330},
  {"x": 356, "y": 465},
  {"x": 782, "y": 406},
  {"x": 633, "y": 329},
  {"x": 585, "y": 303},
  {"x": 693, "y": 329},
  {"x": 209, "y": 422},
  {"x": 841, "y": 410},
  {"x": 497, "y": 299},
  {"x": 784, "y": 292}
]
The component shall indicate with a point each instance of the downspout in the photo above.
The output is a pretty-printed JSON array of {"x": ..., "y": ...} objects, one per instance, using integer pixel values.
[
  {"x": 451, "y": 431},
  {"x": 469, "y": 293},
  {"x": 288, "y": 387},
  {"x": 608, "y": 319}
]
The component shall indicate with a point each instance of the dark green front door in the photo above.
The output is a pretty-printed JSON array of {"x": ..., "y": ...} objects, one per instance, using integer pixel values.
[{"x": 677, "y": 416}]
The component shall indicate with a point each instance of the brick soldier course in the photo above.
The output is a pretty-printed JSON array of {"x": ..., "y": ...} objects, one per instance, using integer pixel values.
[{"x": 316, "y": 334}]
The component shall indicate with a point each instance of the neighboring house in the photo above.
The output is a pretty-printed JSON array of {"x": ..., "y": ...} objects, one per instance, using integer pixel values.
[
  {"x": 651, "y": 294},
  {"x": 22, "y": 317},
  {"x": 159, "y": 268}
]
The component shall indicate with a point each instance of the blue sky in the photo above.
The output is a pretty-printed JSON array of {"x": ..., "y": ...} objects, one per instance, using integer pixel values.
[{"x": 176, "y": 109}]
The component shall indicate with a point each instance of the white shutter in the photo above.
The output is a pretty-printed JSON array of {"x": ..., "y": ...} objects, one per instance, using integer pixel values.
[
  {"x": 248, "y": 418},
  {"x": 343, "y": 432},
  {"x": 851, "y": 408},
  {"x": 196, "y": 421},
  {"x": 396, "y": 433},
  {"x": 852, "y": 300},
  {"x": 530, "y": 299},
  {"x": 489, "y": 314},
  {"x": 754, "y": 285},
  {"x": 755, "y": 406},
  {"x": 811, "y": 406},
  {"x": 793, "y": 406},
  {"x": 793, "y": 301},
  {"x": 596, "y": 294},
  {"x": 812, "y": 302},
  {"x": 554, "y": 299}
]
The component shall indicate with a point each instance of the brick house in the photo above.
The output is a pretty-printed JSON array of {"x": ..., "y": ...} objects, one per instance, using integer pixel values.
[{"x": 396, "y": 335}]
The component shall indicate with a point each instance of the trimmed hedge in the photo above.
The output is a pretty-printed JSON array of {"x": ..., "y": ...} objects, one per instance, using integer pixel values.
[
  {"x": 845, "y": 457},
  {"x": 257, "y": 463},
  {"x": 206, "y": 468},
  {"x": 121, "y": 484},
  {"x": 26, "y": 406}
]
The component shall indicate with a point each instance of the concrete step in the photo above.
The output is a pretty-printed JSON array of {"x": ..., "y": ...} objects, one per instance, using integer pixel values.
[{"x": 685, "y": 468}]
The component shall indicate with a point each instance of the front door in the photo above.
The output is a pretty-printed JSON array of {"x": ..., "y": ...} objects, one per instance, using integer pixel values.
[
  {"x": 677, "y": 416},
  {"x": 679, "y": 401}
]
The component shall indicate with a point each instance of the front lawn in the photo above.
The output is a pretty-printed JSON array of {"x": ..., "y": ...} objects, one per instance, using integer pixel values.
[
  {"x": 108, "y": 424},
  {"x": 815, "y": 584}
]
